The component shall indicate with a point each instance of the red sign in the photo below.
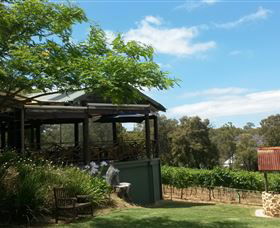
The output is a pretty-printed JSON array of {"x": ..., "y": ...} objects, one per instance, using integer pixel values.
[{"x": 269, "y": 158}]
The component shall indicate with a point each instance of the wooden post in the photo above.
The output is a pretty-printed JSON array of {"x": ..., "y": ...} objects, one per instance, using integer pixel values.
[
  {"x": 22, "y": 130},
  {"x": 3, "y": 136},
  {"x": 114, "y": 129},
  {"x": 85, "y": 140},
  {"x": 60, "y": 134},
  {"x": 76, "y": 134},
  {"x": 11, "y": 134},
  {"x": 38, "y": 136},
  {"x": 156, "y": 138},
  {"x": 160, "y": 181},
  {"x": 265, "y": 181},
  {"x": 32, "y": 137},
  {"x": 148, "y": 138}
]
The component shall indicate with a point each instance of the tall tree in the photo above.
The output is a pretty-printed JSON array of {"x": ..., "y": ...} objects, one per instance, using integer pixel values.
[
  {"x": 191, "y": 145},
  {"x": 166, "y": 128},
  {"x": 37, "y": 53},
  {"x": 270, "y": 130},
  {"x": 225, "y": 138},
  {"x": 246, "y": 152}
]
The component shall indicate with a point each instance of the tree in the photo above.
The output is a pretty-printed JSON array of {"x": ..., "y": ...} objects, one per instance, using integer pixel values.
[
  {"x": 98, "y": 132},
  {"x": 249, "y": 126},
  {"x": 166, "y": 128},
  {"x": 191, "y": 145},
  {"x": 225, "y": 139},
  {"x": 246, "y": 152},
  {"x": 37, "y": 54},
  {"x": 270, "y": 130}
]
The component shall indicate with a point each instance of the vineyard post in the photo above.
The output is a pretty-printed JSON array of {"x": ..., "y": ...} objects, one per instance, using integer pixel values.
[{"x": 265, "y": 181}]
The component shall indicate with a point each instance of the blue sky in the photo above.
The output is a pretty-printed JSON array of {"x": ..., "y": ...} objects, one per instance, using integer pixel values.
[{"x": 226, "y": 53}]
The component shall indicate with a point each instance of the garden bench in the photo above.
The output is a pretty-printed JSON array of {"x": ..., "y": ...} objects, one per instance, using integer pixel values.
[{"x": 65, "y": 203}]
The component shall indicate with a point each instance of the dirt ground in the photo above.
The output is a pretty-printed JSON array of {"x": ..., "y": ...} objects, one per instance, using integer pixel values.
[{"x": 116, "y": 204}]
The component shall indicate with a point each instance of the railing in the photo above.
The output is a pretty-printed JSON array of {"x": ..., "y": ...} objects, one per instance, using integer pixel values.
[
  {"x": 98, "y": 151},
  {"x": 121, "y": 151},
  {"x": 218, "y": 194},
  {"x": 57, "y": 152}
]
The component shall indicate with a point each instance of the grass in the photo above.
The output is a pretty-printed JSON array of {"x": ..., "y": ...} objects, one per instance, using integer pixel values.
[{"x": 181, "y": 214}]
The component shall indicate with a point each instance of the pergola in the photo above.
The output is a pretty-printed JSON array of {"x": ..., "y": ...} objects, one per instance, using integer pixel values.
[{"x": 25, "y": 117}]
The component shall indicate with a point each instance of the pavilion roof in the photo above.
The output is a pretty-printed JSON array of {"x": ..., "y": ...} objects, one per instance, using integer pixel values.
[{"x": 82, "y": 98}]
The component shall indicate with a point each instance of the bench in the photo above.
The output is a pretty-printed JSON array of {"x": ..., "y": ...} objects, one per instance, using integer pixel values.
[{"x": 66, "y": 203}]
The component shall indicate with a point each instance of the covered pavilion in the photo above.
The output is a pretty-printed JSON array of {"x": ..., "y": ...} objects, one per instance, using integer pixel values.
[{"x": 22, "y": 120}]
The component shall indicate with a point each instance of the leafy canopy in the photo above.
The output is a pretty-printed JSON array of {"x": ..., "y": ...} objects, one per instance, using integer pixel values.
[
  {"x": 37, "y": 53},
  {"x": 191, "y": 145},
  {"x": 270, "y": 128}
]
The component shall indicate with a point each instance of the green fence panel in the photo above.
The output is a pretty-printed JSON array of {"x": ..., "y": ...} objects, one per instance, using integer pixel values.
[{"x": 145, "y": 179}]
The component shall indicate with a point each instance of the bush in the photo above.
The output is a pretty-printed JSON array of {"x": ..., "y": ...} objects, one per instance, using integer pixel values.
[
  {"x": 26, "y": 186},
  {"x": 218, "y": 177}
]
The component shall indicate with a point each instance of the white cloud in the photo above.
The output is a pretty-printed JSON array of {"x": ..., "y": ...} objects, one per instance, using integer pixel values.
[
  {"x": 191, "y": 5},
  {"x": 110, "y": 36},
  {"x": 235, "y": 52},
  {"x": 209, "y": 2},
  {"x": 165, "y": 66},
  {"x": 243, "y": 104},
  {"x": 152, "y": 20},
  {"x": 172, "y": 41},
  {"x": 230, "y": 91},
  {"x": 260, "y": 14},
  {"x": 242, "y": 53}
]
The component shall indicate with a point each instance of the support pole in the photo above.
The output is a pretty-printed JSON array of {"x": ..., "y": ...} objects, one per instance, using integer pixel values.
[
  {"x": 3, "y": 136},
  {"x": 85, "y": 140},
  {"x": 22, "y": 131},
  {"x": 156, "y": 138},
  {"x": 60, "y": 134},
  {"x": 32, "y": 137},
  {"x": 265, "y": 181},
  {"x": 11, "y": 134},
  {"x": 76, "y": 134},
  {"x": 114, "y": 129},
  {"x": 38, "y": 136},
  {"x": 148, "y": 138}
]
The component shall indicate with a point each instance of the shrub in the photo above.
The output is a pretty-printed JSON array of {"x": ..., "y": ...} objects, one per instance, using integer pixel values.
[{"x": 26, "y": 186}]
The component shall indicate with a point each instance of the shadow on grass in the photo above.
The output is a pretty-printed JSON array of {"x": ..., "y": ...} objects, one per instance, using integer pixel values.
[
  {"x": 156, "y": 222},
  {"x": 178, "y": 204}
]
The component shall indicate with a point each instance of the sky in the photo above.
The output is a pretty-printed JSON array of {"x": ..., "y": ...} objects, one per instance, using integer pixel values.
[{"x": 225, "y": 53}]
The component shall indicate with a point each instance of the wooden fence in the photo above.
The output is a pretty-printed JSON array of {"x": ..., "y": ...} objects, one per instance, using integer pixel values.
[{"x": 218, "y": 194}]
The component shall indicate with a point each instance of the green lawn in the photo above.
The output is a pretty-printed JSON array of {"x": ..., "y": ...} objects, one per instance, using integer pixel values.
[{"x": 181, "y": 214}]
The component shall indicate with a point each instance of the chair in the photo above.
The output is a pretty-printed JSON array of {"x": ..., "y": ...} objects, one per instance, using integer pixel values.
[{"x": 66, "y": 203}]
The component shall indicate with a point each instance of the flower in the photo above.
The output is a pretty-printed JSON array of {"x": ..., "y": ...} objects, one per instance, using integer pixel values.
[
  {"x": 93, "y": 171},
  {"x": 93, "y": 165},
  {"x": 87, "y": 167},
  {"x": 103, "y": 163}
]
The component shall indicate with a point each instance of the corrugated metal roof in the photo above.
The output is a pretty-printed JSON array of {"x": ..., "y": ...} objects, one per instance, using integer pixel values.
[
  {"x": 269, "y": 158},
  {"x": 82, "y": 95},
  {"x": 58, "y": 97}
]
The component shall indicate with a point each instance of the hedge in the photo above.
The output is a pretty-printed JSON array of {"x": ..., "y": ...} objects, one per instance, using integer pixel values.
[{"x": 181, "y": 177}]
